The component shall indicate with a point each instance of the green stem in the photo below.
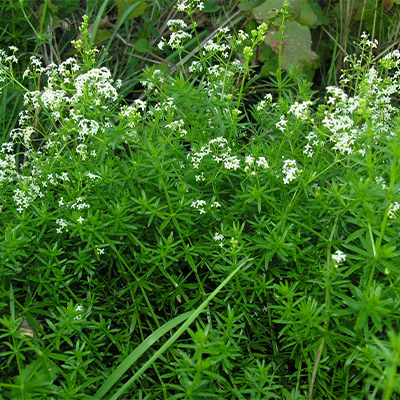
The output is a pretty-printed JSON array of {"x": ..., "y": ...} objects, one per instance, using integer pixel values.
[
  {"x": 377, "y": 246},
  {"x": 198, "y": 40},
  {"x": 41, "y": 26},
  {"x": 387, "y": 393}
]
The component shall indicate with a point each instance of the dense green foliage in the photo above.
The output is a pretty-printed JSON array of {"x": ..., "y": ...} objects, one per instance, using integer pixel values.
[{"x": 173, "y": 231}]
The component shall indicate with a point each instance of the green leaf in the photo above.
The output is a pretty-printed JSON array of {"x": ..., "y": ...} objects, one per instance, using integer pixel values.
[
  {"x": 138, "y": 352},
  {"x": 296, "y": 48},
  {"x": 123, "y": 6},
  {"x": 142, "y": 46},
  {"x": 210, "y": 7},
  {"x": 321, "y": 17},
  {"x": 102, "y": 35},
  {"x": 299, "y": 11},
  {"x": 250, "y": 6}
]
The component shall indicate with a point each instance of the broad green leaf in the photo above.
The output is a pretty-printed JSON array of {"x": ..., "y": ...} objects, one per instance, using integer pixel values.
[
  {"x": 123, "y": 5},
  {"x": 299, "y": 10},
  {"x": 142, "y": 46},
  {"x": 210, "y": 7},
  {"x": 249, "y": 6},
  {"x": 296, "y": 48},
  {"x": 321, "y": 17},
  {"x": 102, "y": 35}
]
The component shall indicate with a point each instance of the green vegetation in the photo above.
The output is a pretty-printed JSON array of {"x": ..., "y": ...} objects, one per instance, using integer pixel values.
[{"x": 199, "y": 200}]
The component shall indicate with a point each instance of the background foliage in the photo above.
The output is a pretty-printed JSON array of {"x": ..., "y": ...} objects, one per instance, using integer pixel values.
[{"x": 151, "y": 194}]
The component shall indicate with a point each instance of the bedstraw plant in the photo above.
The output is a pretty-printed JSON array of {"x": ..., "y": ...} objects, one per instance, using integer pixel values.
[{"x": 189, "y": 245}]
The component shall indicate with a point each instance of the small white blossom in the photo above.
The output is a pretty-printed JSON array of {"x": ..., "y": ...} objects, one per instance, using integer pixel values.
[
  {"x": 394, "y": 207},
  {"x": 262, "y": 162},
  {"x": 290, "y": 170},
  {"x": 281, "y": 125},
  {"x": 218, "y": 236},
  {"x": 249, "y": 160},
  {"x": 338, "y": 257}
]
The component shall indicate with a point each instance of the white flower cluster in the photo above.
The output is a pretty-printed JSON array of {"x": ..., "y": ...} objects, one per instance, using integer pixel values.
[
  {"x": 96, "y": 85},
  {"x": 199, "y": 204},
  {"x": 195, "y": 67},
  {"x": 381, "y": 182},
  {"x": 338, "y": 257},
  {"x": 7, "y": 163},
  {"x": 5, "y": 71},
  {"x": 263, "y": 104},
  {"x": 221, "y": 153},
  {"x": 281, "y": 124},
  {"x": 236, "y": 64},
  {"x": 290, "y": 170},
  {"x": 252, "y": 162},
  {"x": 29, "y": 192},
  {"x": 337, "y": 94},
  {"x": 313, "y": 142},
  {"x": 189, "y": 6},
  {"x": 178, "y": 35},
  {"x": 340, "y": 121},
  {"x": 242, "y": 36},
  {"x": 62, "y": 224},
  {"x": 300, "y": 110},
  {"x": 152, "y": 78},
  {"x": 372, "y": 44},
  {"x": 176, "y": 24},
  {"x": 78, "y": 205},
  {"x": 88, "y": 128},
  {"x": 214, "y": 145},
  {"x": 131, "y": 113},
  {"x": 23, "y": 134},
  {"x": 177, "y": 127},
  {"x": 212, "y": 47},
  {"x": 394, "y": 207},
  {"x": 372, "y": 101},
  {"x": 219, "y": 237},
  {"x": 78, "y": 309},
  {"x": 391, "y": 60},
  {"x": 200, "y": 177},
  {"x": 92, "y": 176}
]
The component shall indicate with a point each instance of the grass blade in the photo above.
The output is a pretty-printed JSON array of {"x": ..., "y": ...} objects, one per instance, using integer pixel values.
[
  {"x": 175, "y": 336},
  {"x": 138, "y": 352}
]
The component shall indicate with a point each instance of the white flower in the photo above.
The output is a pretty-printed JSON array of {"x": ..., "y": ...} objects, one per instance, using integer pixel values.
[
  {"x": 161, "y": 45},
  {"x": 218, "y": 236},
  {"x": 394, "y": 207},
  {"x": 249, "y": 160},
  {"x": 198, "y": 203},
  {"x": 290, "y": 170},
  {"x": 92, "y": 176},
  {"x": 281, "y": 125},
  {"x": 200, "y": 177},
  {"x": 176, "y": 24},
  {"x": 80, "y": 220},
  {"x": 300, "y": 110},
  {"x": 262, "y": 162},
  {"x": 338, "y": 257}
]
